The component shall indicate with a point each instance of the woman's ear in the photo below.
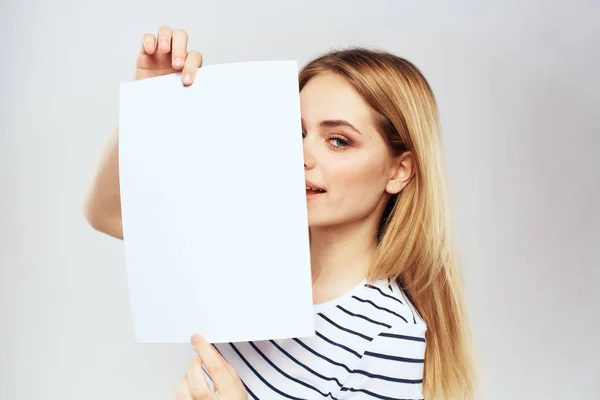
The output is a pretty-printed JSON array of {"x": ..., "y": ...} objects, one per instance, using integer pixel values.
[{"x": 402, "y": 170}]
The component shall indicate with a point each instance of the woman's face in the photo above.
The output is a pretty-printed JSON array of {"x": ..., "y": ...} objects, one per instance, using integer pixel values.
[{"x": 344, "y": 155}]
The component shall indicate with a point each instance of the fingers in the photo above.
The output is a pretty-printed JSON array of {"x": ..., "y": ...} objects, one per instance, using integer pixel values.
[
  {"x": 179, "y": 48},
  {"x": 148, "y": 43},
  {"x": 170, "y": 46},
  {"x": 230, "y": 369},
  {"x": 199, "y": 388},
  {"x": 165, "y": 34},
  {"x": 193, "y": 61},
  {"x": 215, "y": 365},
  {"x": 183, "y": 391}
]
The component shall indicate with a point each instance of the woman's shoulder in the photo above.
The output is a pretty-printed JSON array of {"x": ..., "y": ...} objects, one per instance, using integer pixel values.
[
  {"x": 391, "y": 363},
  {"x": 385, "y": 300},
  {"x": 373, "y": 311}
]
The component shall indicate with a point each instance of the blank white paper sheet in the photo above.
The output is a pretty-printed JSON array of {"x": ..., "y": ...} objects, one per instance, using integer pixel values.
[{"x": 213, "y": 203}]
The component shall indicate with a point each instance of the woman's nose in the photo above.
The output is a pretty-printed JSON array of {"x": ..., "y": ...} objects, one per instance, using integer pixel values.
[{"x": 309, "y": 160}]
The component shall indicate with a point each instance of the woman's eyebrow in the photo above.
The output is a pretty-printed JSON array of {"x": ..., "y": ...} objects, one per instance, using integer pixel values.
[{"x": 329, "y": 123}]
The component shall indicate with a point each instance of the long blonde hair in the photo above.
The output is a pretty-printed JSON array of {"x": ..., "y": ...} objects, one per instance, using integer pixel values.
[{"x": 415, "y": 244}]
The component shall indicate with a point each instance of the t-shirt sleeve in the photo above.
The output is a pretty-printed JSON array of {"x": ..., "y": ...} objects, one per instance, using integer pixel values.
[{"x": 391, "y": 367}]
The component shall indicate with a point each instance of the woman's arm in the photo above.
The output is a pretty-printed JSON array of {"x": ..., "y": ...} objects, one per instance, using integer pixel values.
[
  {"x": 102, "y": 205},
  {"x": 163, "y": 54}
]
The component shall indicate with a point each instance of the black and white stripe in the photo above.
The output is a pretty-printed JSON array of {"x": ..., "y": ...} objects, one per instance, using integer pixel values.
[{"x": 369, "y": 344}]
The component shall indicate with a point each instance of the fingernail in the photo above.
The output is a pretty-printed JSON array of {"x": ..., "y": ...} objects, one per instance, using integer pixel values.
[
  {"x": 164, "y": 44},
  {"x": 195, "y": 338},
  {"x": 178, "y": 61},
  {"x": 187, "y": 78}
]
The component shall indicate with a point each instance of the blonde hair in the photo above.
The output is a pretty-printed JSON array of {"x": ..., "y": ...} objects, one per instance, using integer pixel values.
[{"x": 415, "y": 244}]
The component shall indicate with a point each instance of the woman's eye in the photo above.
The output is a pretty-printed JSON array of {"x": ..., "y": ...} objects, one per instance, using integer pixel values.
[{"x": 338, "y": 142}]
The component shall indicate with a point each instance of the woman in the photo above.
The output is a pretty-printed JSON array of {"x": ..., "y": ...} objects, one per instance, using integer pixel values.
[{"x": 389, "y": 312}]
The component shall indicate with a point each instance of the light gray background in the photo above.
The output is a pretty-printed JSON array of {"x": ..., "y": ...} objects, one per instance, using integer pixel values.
[{"x": 517, "y": 84}]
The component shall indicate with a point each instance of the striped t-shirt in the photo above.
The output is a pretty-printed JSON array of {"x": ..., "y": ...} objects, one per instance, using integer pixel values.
[{"x": 368, "y": 344}]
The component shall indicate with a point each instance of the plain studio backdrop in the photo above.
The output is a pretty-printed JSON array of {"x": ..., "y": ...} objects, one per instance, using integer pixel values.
[{"x": 517, "y": 86}]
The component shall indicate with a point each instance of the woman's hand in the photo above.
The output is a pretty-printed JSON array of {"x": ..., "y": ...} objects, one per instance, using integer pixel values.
[
  {"x": 166, "y": 54},
  {"x": 193, "y": 386}
]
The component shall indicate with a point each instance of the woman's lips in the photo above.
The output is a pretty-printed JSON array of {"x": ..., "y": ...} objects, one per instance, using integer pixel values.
[
  {"x": 310, "y": 185},
  {"x": 311, "y": 194},
  {"x": 313, "y": 190}
]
